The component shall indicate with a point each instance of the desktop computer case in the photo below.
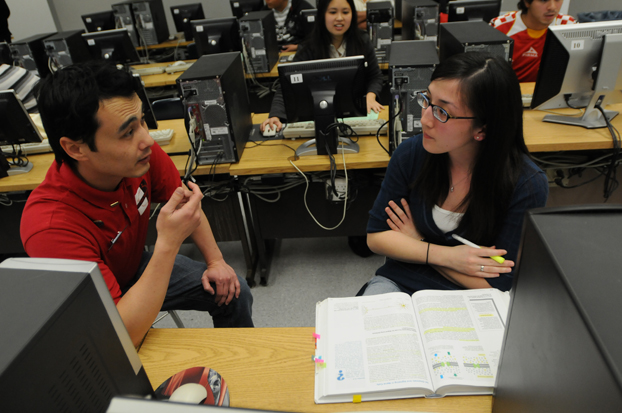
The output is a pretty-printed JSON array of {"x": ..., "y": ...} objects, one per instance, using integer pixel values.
[
  {"x": 67, "y": 48},
  {"x": 561, "y": 350},
  {"x": 150, "y": 21},
  {"x": 214, "y": 91},
  {"x": 30, "y": 54},
  {"x": 473, "y": 36},
  {"x": 258, "y": 34},
  {"x": 410, "y": 70},
  {"x": 124, "y": 19},
  {"x": 380, "y": 28},
  {"x": 419, "y": 20}
]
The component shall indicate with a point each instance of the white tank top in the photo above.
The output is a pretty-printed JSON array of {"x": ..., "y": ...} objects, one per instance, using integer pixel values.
[{"x": 445, "y": 220}]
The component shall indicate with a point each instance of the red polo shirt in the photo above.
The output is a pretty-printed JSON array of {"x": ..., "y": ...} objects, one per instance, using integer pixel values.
[{"x": 66, "y": 218}]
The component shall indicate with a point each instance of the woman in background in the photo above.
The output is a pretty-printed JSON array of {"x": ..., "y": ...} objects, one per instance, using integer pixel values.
[
  {"x": 334, "y": 35},
  {"x": 469, "y": 174}
]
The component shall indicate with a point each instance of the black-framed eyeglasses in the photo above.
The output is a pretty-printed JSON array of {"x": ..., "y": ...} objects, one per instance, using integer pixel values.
[{"x": 439, "y": 113}]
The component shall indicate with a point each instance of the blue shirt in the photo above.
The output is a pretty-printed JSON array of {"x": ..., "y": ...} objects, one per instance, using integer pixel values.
[{"x": 531, "y": 191}]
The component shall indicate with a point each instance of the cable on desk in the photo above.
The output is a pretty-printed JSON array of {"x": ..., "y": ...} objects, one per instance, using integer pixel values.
[
  {"x": 5, "y": 200},
  {"x": 611, "y": 182},
  {"x": 345, "y": 201},
  {"x": 261, "y": 189}
]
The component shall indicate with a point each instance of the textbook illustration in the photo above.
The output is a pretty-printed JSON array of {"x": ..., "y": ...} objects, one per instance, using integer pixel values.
[{"x": 391, "y": 346}]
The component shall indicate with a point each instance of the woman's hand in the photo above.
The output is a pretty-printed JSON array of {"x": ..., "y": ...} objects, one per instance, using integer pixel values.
[
  {"x": 400, "y": 219},
  {"x": 373, "y": 104},
  {"x": 274, "y": 122},
  {"x": 474, "y": 262}
]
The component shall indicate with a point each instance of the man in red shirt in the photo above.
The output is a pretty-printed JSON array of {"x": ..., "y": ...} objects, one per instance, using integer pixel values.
[
  {"x": 94, "y": 204},
  {"x": 528, "y": 27}
]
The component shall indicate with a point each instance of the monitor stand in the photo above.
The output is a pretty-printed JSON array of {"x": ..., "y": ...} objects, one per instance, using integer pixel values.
[
  {"x": 344, "y": 145},
  {"x": 7, "y": 169}
]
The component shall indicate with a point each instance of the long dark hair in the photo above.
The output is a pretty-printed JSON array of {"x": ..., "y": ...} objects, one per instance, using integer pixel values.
[
  {"x": 489, "y": 87},
  {"x": 319, "y": 40}
]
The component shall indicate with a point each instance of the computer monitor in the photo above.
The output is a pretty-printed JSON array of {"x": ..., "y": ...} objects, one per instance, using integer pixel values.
[
  {"x": 240, "y": 7},
  {"x": 150, "y": 118},
  {"x": 112, "y": 45},
  {"x": 97, "y": 22},
  {"x": 183, "y": 14},
  {"x": 322, "y": 91},
  {"x": 16, "y": 127},
  {"x": 64, "y": 344},
  {"x": 465, "y": 10},
  {"x": 581, "y": 67},
  {"x": 220, "y": 35}
]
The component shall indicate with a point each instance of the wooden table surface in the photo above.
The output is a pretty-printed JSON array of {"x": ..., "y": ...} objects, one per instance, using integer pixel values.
[{"x": 269, "y": 369}]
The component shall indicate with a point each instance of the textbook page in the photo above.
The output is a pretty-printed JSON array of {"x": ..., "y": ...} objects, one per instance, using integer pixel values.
[
  {"x": 375, "y": 350},
  {"x": 462, "y": 332}
]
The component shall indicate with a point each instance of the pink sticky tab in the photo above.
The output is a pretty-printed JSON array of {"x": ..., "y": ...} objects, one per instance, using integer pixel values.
[{"x": 316, "y": 335}]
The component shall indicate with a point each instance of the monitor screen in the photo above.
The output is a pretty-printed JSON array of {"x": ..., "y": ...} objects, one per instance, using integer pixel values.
[
  {"x": 322, "y": 91},
  {"x": 64, "y": 345},
  {"x": 112, "y": 45},
  {"x": 220, "y": 35},
  {"x": 16, "y": 127},
  {"x": 580, "y": 68},
  {"x": 240, "y": 7},
  {"x": 183, "y": 14},
  {"x": 96, "y": 22},
  {"x": 465, "y": 10}
]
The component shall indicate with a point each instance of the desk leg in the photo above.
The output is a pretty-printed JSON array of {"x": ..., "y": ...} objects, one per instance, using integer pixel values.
[
  {"x": 264, "y": 248},
  {"x": 250, "y": 251}
]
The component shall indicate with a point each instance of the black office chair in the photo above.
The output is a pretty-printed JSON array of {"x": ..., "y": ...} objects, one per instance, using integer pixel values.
[{"x": 172, "y": 108}]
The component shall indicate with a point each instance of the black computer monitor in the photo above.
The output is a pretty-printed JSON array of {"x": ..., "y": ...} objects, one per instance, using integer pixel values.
[
  {"x": 112, "y": 45},
  {"x": 150, "y": 118},
  {"x": 308, "y": 17},
  {"x": 322, "y": 91},
  {"x": 183, "y": 14},
  {"x": 581, "y": 67},
  {"x": 5, "y": 54},
  {"x": 16, "y": 127},
  {"x": 97, "y": 22},
  {"x": 465, "y": 10},
  {"x": 219, "y": 35},
  {"x": 240, "y": 7},
  {"x": 64, "y": 344}
]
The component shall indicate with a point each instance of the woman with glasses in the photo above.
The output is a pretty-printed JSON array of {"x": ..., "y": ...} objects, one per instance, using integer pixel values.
[{"x": 468, "y": 174}]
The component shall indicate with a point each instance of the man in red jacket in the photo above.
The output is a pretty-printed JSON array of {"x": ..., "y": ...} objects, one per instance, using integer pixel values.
[
  {"x": 528, "y": 27},
  {"x": 94, "y": 204}
]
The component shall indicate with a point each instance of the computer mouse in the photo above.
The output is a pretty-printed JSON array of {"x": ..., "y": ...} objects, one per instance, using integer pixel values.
[
  {"x": 269, "y": 130},
  {"x": 193, "y": 393}
]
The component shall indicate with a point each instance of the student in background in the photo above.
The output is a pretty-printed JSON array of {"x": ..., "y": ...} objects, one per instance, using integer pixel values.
[
  {"x": 5, "y": 33},
  {"x": 334, "y": 35},
  {"x": 528, "y": 27},
  {"x": 289, "y": 22},
  {"x": 469, "y": 174}
]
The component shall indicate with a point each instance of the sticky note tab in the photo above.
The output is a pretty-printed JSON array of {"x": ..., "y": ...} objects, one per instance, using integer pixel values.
[
  {"x": 316, "y": 335},
  {"x": 357, "y": 398}
]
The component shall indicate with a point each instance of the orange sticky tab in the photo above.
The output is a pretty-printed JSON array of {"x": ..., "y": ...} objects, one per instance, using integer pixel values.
[{"x": 357, "y": 398}]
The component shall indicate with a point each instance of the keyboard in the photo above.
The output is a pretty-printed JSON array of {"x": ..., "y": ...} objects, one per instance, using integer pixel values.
[
  {"x": 29, "y": 148},
  {"x": 162, "y": 137},
  {"x": 526, "y": 100},
  {"x": 360, "y": 126},
  {"x": 178, "y": 68},
  {"x": 146, "y": 71}
]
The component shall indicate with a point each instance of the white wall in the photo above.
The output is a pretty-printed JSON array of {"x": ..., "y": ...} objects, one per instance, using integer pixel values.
[{"x": 30, "y": 17}]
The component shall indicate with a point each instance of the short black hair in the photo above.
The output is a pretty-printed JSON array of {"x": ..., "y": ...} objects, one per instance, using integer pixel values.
[
  {"x": 522, "y": 5},
  {"x": 69, "y": 99}
]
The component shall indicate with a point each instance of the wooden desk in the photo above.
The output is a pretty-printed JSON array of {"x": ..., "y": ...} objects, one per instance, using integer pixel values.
[
  {"x": 268, "y": 369},
  {"x": 161, "y": 79},
  {"x": 179, "y": 41}
]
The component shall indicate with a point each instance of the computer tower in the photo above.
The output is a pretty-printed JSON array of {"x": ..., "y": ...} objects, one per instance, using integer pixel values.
[
  {"x": 473, "y": 36},
  {"x": 125, "y": 19},
  {"x": 419, "y": 20},
  {"x": 410, "y": 70},
  {"x": 30, "y": 54},
  {"x": 66, "y": 48},
  {"x": 380, "y": 28},
  {"x": 150, "y": 21},
  {"x": 561, "y": 350},
  {"x": 217, "y": 109},
  {"x": 258, "y": 35}
]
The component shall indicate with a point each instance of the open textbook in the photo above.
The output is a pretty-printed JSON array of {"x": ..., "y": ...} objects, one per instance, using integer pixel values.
[{"x": 391, "y": 346}]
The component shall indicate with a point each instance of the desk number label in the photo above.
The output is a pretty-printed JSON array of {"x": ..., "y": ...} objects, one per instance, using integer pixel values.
[
  {"x": 90, "y": 42},
  {"x": 310, "y": 19},
  {"x": 297, "y": 78},
  {"x": 199, "y": 28},
  {"x": 577, "y": 45}
]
